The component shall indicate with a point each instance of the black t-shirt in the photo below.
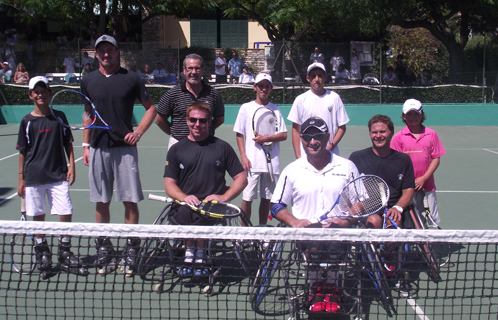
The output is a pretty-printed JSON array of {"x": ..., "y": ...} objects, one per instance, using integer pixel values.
[
  {"x": 114, "y": 98},
  {"x": 396, "y": 169},
  {"x": 199, "y": 167},
  {"x": 43, "y": 139}
]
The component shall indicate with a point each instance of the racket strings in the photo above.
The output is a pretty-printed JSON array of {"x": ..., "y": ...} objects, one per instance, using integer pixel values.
[
  {"x": 266, "y": 124},
  {"x": 219, "y": 208},
  {"x": 363, "y": 196}
]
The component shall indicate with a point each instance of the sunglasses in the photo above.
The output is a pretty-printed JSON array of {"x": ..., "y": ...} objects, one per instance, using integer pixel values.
[
  {"x": 316, "y": 136},
  {"x": 194, "y": 120}
]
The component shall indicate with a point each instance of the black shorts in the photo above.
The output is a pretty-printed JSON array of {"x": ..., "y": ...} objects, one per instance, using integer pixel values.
[{"x": 183, "y": 215}]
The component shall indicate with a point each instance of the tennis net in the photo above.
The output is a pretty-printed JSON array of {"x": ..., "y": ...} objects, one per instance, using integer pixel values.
[{"x": 255, "y": 273}]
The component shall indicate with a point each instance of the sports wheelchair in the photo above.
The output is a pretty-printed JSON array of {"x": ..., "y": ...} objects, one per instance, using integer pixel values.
[
  {"x": 282, "y": 283},
  {"x": 160, "y": 259}
]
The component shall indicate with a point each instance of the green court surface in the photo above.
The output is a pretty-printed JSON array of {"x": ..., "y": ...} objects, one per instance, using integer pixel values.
[
  {"x": 467, "y": 197},
  {"x": 465, "y": 180}
]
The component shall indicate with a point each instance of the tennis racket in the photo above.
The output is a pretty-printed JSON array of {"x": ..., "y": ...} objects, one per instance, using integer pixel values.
[
  {"x": 22, "y": 253},
  {"x": 264, "y": 123},
  {"x": 361, "y": 197},
  {"x": 214, "y": 209},
  {"x": 76, "y": 111}
]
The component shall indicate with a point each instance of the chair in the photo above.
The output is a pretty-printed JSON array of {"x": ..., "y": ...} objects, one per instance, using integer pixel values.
[
  {"x": 168, "y": 254},
  {"x": 68, "y": 77}
]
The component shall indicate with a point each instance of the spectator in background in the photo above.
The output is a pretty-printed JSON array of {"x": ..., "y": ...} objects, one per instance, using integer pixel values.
[
  {"x": 235, "y": 66},
  {"x": 399, "y": 68},
  {"x": 87, "y": 69},
  {"x": 133, "y": 68},
  {"x": 389, "y": 77},
  {"x": 317, "y": 56},
  {"x": 147, "y": 77},
  {"x": 409, "y": 79},
  {"x": 426, "y": 78},
  {"x": 355, "y": 67},
  {"x": 69, "y": 63},
  {"x": 5, "y": 73},
  {"x": 87, "y": 60},
  {"x": 159, "y": 72},
  {"x": 246, "y": 77},
  {"x": 342, "y": 76},
  {"x": 21, "y": 75},
  {"x": 335, "y": 61},
  {"x": 10, "y": 53},
  {"x": 171, "y": 66},
  {"x": 220, "y": 68}
]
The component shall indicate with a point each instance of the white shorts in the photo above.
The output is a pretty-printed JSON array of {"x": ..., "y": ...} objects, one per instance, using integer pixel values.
[
  {"x": 418, "y": 202},
  {"x": 58, "y": 197},
  {"x": 266, "y": 186}
]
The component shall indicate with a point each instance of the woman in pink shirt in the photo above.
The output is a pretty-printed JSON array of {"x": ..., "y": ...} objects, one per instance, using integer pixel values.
[{"x": 425, "y": 149}]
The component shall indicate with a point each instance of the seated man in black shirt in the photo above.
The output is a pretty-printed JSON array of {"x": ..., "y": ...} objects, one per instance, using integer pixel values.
[
  {"x": 195, "y": 170},
  {"x": 394, "y": 167}
]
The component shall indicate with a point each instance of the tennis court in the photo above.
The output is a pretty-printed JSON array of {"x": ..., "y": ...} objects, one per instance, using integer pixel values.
[{"x": 467, "y": 197}]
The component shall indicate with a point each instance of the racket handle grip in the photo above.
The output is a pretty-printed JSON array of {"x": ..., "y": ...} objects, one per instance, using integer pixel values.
[
  {"x": 159, "y": 198},
  {"x": 426, "y": 202},
  {"x": 23, "y": 205}
]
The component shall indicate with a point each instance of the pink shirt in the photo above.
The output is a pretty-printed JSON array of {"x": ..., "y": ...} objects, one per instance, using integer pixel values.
[{"x": 421, "y": 151}]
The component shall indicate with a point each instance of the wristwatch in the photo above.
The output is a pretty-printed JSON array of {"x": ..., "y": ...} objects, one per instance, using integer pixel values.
[{"x": 400, "y": 209}]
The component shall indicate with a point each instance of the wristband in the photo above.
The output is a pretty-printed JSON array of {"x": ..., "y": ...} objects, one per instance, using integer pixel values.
[
  {"x": 139, "y": 136},
  {"x": 84, "y": 144},
  {"x": 400, "y": 209},
  {"x": 277, "y": 207}
]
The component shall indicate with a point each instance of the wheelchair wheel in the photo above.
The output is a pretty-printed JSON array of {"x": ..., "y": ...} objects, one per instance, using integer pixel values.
[
  {"x": 269, "y": 298},
  {"x": 246, "y": 251},
  {"x": 375, "y": 270},
  {"x": 425, "y": 249},
  {"x": 153, "y": 248}
]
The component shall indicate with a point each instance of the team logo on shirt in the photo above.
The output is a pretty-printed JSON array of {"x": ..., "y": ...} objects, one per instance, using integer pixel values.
[
  {"x": 181, "y": 166},
  {"x": 330, "y": 109},
  {"x": 218, "y": 163},
  {"x": 167, "y": 163},
  {"x": 400, "y": 176}
]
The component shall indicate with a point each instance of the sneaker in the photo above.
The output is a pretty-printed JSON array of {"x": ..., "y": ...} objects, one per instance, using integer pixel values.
[
  {"x": 201, "y": 272},
  {"x": 184, "y": 272},
  {"x": 68, "y": 262},
  {"x": 43, "y": 256},
  {"x": 106, "y": 261},
  {"x": 128, "y": 262}
]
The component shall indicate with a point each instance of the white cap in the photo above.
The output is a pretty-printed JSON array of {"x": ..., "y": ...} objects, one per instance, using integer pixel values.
[
  {"x": 263, "y": 76},
  {"x": 412, "y": 104},
  {"x": 5, "y": 62},
  {"x": 34, "y": 81},
  {"x": 316, "y": 65},
  {"x": 106, "y": 38}
]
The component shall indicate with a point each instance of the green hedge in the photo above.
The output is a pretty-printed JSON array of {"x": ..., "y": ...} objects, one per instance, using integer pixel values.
[{"x": 353, "y": 95}]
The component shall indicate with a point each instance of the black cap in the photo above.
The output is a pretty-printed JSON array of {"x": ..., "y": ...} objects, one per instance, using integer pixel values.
[{"x": 315, "y": 122}]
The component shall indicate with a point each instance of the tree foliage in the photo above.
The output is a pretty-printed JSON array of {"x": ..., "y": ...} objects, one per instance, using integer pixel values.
[{"x": 106, "y": 16}]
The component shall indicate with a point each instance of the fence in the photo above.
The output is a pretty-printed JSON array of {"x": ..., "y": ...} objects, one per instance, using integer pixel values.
[{"x": 287, "y": 62}]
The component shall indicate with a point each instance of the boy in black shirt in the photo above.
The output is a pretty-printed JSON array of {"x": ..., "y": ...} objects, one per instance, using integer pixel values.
[{"x": 43, "y": 144}]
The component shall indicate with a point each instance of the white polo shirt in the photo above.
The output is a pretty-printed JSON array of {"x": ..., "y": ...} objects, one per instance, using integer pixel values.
[
  {"x": 313, "y": 192},
  {"x": 328, "y": 106}
]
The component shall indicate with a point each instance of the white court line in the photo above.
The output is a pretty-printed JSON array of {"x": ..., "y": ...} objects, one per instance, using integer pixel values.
[
  {"x": 495, "y": 152},
  {"x": 12, "y": 155},
  {"x": 420, "y": 313}
]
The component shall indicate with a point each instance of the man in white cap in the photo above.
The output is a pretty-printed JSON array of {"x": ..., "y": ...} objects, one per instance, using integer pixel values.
[
  {"x": 112, "y": 158},
  {"x": 5, "y": 72},
  {"x": 318, "y": 102},
  {"x": 252, "y": 155}
]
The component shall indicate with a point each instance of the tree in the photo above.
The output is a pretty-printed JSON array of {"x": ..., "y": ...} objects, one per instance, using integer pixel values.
[
  {"x": 449, "y": 21},
  {"x": 106, "y": 16}
]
